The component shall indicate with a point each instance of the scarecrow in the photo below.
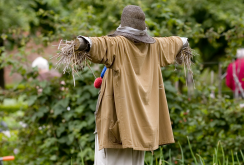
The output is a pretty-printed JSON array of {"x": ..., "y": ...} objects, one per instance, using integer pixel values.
[{"x": 132, "y": 114}]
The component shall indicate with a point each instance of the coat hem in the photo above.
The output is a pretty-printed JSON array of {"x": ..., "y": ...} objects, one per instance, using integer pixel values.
[{"x": 117, "y": 146}]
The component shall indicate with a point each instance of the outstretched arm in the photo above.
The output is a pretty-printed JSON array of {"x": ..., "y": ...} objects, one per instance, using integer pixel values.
[
  {"x": 173, "y": 49},
  {"x": 168, "y": 48},
  {"x": 101, "y": 49}
]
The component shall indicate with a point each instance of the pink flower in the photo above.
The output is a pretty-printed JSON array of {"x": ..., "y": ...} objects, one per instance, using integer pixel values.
[
  {"x": 62, "y": 82},
  {"x": 39, "y": 90}
]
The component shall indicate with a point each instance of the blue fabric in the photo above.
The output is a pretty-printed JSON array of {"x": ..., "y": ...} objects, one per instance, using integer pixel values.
[{"x": 103, "y": 72}]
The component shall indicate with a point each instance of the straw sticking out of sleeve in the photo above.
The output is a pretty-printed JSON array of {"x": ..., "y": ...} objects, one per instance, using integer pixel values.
[
  {"x": 185, "y": 57},
  {"x": 72, "y": 60}
]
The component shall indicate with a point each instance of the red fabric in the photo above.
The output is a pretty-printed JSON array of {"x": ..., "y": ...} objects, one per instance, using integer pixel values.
[
  {"x": 98, "y": 82},
  {"x": 239, "y": 64}
]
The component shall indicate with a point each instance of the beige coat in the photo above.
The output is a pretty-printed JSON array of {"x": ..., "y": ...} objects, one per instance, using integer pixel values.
[{"x": 132, "y": 106}]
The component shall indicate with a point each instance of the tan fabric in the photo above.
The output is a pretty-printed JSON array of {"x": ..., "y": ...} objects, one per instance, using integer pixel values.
[
  {"x": 110, "y": 156},
  {"x": 133, "y": 111}
]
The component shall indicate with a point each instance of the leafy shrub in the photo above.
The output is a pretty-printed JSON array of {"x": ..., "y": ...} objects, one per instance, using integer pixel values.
[
  {"x": 205, "y": 120},
  {"x": 60, "y": 119}
]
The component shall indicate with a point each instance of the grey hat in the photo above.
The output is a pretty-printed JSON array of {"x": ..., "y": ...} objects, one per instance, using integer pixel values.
[{"x": 133, "y": 25}]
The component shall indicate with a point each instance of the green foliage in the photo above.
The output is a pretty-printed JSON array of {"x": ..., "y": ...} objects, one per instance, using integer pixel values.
[
  {"x": 60, "y": 116},
  {"x": 11, "y": 105},
  {"x": 219, "y": 157},
  {"x": 213, "y": 27},
  {"x": 12, "y": 108},
  {"x": 60, "y": 119},
  {"x": 10, "y": 145},
  {"x": 203, "y": 119}
]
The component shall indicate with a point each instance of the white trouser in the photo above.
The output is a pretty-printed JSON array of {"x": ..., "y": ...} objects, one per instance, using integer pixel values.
[{"x": 111, "y": 156}]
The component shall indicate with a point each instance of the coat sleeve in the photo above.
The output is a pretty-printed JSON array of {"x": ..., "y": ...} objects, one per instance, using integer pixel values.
[
  {"x": 229, "y": 77},
  {"x": 168, "y": 48},
  {"x": 103, "y": 50}
]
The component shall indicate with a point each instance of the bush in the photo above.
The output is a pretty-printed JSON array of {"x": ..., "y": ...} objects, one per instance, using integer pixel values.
[
  {"x": 205, "y": 120},
  {"x": 60, "y": 119}
]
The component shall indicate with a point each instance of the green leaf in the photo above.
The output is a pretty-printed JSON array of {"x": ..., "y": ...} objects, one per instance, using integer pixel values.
[
  {"x": 61, "y": 106},
  {"x": 39, "y": 114},
  {"x": 168, "y": 87},
  {"x": 32, "y": 100},
  {"x": 71, "y": 139},
  {"x": 79, "y": 109},
  {"x": 47, "y": 90},
  {"x": 43, "y": 84},
  {"x": 60, "y": 130},
  {"x": 195, "y": 160},
  {"x": 83, "y": 97},
  {"x": 63, "y": 139},
  {"x": 64, "y": 102},
  {"x": 53, "y": 158},
  {"x": 68, "y": 115}
]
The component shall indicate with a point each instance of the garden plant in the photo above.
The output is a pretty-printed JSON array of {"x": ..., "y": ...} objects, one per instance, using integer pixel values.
[{"x": 57, "y": 119}]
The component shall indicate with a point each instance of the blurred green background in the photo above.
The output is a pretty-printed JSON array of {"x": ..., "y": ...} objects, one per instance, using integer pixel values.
[{"x": 56, "y": 125}]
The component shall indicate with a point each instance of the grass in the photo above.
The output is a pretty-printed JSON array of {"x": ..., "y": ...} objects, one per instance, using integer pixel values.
[
  {"x": 219, "y": 158},
  {"x": 198, "y": 160}
]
